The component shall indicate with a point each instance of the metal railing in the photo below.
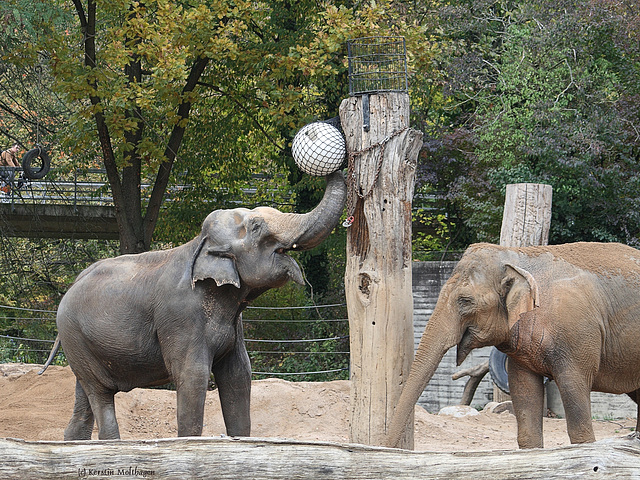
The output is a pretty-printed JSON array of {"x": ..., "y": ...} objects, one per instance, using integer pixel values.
[{"x": 77, "y": 187}]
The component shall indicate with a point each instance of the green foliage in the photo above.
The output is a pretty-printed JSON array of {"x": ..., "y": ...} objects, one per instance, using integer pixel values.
[
  {"x": 292, "y": 70},
  {"x": 544, "y": 94},
  {"x": 320, "y": 337},
  {"x": 431, "y": 228},
  {"x": 429, "y": 239},
  {"x": 211, "y": 91},
  {"x": 30, "y": 113},
  {"x": 35, "y": 275}
]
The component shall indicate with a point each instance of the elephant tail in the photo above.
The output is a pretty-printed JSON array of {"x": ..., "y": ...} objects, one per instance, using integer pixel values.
[{"x": 52, "y": 355}]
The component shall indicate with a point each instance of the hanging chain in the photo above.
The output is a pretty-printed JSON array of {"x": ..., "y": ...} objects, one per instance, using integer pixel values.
[
  {"x": 354, "y": 191},
  {"x": 39, "y": 83}
]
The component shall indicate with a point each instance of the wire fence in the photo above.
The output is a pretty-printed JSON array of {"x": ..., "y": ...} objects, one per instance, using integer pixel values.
[
  {"x": 59, "y": 187},
  {"x": 299, "y": 343},
  {"x": 83, "y": 187}
]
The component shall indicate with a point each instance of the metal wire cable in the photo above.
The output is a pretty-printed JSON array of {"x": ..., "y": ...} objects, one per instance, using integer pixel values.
[
  {"x": 22, "y": 348},
  {"x": 254, "y": 320},
  {"x": 299, "y": 373},
  {"x": 297, "y": 341},
  {"x": 298, "y": 308},
  {"x": 27, "y": 309},
  {"x": 26, "y": 339}
]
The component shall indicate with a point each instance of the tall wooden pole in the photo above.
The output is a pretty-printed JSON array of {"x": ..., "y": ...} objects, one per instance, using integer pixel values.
[
  {"x": 527, "y": 215},
  {"x": 382, "y": 163},
  {"x": 525, "y": 222}
]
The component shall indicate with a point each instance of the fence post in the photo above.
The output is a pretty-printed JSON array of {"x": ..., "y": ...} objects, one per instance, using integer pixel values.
[{"x": 75, "y": 188}]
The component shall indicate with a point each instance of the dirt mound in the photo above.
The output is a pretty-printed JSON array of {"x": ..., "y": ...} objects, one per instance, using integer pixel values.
[{"x": 38, "y": 408}]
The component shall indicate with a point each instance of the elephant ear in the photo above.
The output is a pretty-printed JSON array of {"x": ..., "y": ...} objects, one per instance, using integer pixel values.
[
  {"x": 209, "y": 262},
  {"x": 520, "y": 291}
]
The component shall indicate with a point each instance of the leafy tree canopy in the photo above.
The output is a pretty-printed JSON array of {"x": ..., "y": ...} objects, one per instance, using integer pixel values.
[
  {"x": 197, "y": 100},
  {"x": 543, "y": 93},
  {"x": 208, "y": 91}
]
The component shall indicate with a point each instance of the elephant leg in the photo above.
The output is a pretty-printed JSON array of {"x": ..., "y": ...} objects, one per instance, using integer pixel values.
[
  {"x": 635, "y": 396},
  {"x": 575, "y": 392},
  {"x": 233, "y": 378},
  {"x": 191, "y": 386},
  {"x": 104, "y": 409},
  {"x": 527, "y": 394},
  {"x": 81, "y": 424}
]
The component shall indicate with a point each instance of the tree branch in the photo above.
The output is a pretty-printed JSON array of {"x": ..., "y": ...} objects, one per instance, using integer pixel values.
[
  {"x": 177, "y": 134},
  {"x": 244, "y": 108},
  {"x": 132, "y": 169},
  {"x": 21, "y": 118}
]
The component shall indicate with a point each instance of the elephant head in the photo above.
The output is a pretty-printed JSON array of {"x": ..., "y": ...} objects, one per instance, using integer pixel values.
[
  {"x": 477, "y": 307},
  {"x": 249, "y": 247}
]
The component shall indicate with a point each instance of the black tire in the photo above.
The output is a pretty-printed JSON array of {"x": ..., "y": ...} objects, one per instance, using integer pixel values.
[
  {"x": 498, "y": 369},
  {"x": 32, "y": 155}
]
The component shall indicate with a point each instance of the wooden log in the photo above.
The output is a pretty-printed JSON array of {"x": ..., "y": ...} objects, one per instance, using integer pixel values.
[
  {"x": 271, "y": 459},
  {"x": 525, "y": 222},
  {"x": 382, "y": 163}
]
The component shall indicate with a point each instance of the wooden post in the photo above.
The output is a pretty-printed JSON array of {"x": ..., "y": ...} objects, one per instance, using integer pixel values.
[
  {"x": 525, "y": 222},
  {"x": 527, "y": 215},
  {"x": 382, "y": 162}
]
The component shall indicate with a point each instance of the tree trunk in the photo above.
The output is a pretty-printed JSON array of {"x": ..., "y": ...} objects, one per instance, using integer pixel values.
[
  {"x": 135, "y": 227},
  {"x": 525, "y": 222},
  {"x": 378, "y": 271}
]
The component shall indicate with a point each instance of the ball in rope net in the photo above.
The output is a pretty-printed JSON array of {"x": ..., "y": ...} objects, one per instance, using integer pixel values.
[{"x": 318, "y": 149}]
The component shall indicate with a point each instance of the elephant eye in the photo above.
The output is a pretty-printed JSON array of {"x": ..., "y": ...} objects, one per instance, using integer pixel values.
[{"x": 281, "y": 251}]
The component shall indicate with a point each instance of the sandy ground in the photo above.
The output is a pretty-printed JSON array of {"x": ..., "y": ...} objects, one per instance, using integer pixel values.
[{"x": 39, "y": 407}]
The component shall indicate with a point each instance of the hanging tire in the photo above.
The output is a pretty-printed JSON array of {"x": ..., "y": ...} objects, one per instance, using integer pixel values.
[
  {"x": 29, "y": 157},
  {"x": 498, "y": 369}
]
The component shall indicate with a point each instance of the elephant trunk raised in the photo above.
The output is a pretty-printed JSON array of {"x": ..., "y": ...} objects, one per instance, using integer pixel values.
[
  {"x": 307, "y": 230},
  {"x": 438, "y": 338}
]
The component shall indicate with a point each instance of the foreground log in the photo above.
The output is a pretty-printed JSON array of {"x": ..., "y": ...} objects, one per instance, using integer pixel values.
[{"x": 271, "y": 459}]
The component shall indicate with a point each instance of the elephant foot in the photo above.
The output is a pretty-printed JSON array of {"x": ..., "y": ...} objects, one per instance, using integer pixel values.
[{"x": 78, "y": 432}]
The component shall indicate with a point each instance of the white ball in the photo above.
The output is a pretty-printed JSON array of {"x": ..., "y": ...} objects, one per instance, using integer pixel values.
[{"x": 318, "y": 149}]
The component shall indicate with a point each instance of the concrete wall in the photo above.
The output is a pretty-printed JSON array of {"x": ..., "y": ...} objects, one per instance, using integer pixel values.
[{"x": 428, "y": 279}]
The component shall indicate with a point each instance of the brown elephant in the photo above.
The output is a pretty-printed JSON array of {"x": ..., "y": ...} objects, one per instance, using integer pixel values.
[{"x": 567, "y": 312}]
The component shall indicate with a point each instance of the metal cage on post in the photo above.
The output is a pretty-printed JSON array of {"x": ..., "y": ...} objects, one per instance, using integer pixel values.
[{"x": 376, "y": 64}]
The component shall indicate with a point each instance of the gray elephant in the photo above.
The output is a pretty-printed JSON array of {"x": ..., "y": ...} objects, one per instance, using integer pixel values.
[
  {"x": 175, "y": 315},
  {"x": 567, "y": 312}
]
